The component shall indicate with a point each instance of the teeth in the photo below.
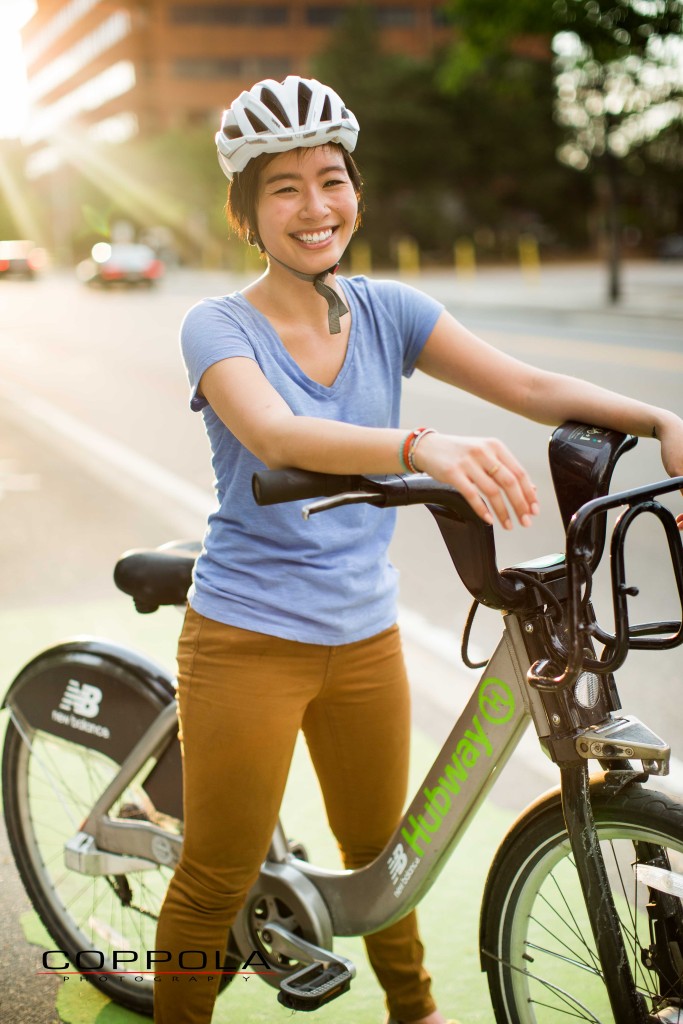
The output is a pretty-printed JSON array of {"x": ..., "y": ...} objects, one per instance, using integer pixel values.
[{"x": 315, "y": 236}]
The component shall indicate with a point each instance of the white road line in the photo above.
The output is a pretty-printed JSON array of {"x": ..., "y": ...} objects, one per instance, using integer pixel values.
[
  {"x": 189, "y": 503},
  {"x": 117, "y": 464}
]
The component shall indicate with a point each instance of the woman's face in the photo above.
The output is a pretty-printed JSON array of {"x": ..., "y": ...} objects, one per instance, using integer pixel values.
[{"x": 307, "y": 208}]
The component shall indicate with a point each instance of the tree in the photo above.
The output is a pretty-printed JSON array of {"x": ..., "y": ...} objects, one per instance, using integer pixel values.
[
  {"x": 618, "y": 67},
  {"x": 439, "y": 163}
]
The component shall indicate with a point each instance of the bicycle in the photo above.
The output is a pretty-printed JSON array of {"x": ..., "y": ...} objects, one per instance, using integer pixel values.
[{"x": 582, "y": 912}]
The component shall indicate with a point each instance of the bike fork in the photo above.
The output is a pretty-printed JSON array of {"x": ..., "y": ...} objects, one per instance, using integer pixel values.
[{"x": 628, "y": 1005}]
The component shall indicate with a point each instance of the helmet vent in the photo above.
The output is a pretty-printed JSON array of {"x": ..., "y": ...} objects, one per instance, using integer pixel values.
[
  {"x": 273, "y": 104},
  {"x": 255, "y": 122},
  {"x": 326, "y": 114},
  {"x": 231, "y": 131},
  {"x": 304, "y": 101}
]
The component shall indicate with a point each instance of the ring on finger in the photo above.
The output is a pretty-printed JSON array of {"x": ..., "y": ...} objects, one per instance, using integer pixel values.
[{"x": 492, "y": 470}]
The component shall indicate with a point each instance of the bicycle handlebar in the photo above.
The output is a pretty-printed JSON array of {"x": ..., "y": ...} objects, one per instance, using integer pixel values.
[
  {"x": 470, "y": 542},
  {"x": 469, "y": 539}
]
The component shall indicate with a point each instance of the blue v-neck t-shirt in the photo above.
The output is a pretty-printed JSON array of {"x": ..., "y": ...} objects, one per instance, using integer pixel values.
[{"x": 327, "y": 580}]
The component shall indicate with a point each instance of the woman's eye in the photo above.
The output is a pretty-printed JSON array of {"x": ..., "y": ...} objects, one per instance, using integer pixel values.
[{"x": 333, "y": 181}]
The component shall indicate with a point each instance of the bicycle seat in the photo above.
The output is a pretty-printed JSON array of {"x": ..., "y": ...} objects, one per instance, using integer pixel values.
[{"x": 157, "y": 576}]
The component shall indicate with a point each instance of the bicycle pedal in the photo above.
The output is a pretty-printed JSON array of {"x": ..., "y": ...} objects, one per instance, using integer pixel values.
[{"x": 314, "y": 985}]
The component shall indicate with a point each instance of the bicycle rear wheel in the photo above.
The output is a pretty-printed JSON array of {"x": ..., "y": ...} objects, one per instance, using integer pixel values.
[
  {"x": 48, "y": 789},
  {"x": 537, "y": 947}
]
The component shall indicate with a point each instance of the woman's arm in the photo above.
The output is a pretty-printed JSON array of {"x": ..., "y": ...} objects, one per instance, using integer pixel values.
[
  {"x": 455, "y": 355},
  {"x": 261, "y": 420}
]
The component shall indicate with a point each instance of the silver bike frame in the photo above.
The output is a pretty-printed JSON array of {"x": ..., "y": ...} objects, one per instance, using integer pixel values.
[
  {"x": 367, "y": 899},
  {"x": 480, "y": 743}
]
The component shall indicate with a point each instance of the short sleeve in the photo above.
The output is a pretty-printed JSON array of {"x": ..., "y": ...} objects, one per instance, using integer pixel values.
[
  {"x": 210, "y": 332},
  {"x": 414, "y": 314}
]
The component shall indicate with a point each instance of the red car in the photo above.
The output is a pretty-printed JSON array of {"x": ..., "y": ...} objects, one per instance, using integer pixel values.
[
  {"x": 20, "y": 258},
  {"x": 129, "y": 263}
]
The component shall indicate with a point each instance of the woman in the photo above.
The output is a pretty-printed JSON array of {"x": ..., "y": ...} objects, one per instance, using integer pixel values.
[{"x": 292, "y": 625}]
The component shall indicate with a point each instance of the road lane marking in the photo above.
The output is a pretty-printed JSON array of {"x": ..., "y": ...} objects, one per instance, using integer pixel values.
[
  {"x": 590, "y": 351},
  {"x": 102, "y": 454},
  {"x": 189, "y": 502},
  {"x": 11, "y": 480}
]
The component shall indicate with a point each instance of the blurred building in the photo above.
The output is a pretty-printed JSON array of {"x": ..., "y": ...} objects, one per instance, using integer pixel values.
[{"x": 119, "y": 67}]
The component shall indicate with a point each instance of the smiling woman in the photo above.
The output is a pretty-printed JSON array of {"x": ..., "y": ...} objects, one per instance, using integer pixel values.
[{"x": 13, "y": 14}]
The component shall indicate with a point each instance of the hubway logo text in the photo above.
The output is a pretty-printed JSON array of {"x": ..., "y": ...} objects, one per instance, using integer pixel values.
[{"x": 496, "y": 706}]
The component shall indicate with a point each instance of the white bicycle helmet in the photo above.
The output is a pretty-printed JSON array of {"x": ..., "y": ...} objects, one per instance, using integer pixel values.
[{"x": 274, "y": 117}]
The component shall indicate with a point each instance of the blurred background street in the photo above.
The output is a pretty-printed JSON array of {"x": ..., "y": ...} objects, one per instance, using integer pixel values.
[
  {"x": 523, "y": 163},
  {"x": 99, "y": 453}
]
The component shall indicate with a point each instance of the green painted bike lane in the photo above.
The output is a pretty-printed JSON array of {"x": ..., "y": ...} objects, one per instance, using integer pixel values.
[{"x": 448, "y": 914}]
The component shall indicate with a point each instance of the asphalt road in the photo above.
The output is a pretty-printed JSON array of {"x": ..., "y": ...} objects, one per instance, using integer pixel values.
[
  {"x": 99, "y": 452},
  {"x": 98, "y": 373}
]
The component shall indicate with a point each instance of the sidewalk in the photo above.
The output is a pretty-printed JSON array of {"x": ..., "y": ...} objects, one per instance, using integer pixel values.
[{"x": 649, "y": 288}]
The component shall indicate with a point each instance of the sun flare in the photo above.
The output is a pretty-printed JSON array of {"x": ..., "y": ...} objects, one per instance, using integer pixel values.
[{"x": 13, "y": 14}]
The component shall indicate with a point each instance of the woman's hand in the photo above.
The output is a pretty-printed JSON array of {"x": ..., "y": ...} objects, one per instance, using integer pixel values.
[
  {"x": 478, "y": 466},
  {"x": 670, "y": 434}
]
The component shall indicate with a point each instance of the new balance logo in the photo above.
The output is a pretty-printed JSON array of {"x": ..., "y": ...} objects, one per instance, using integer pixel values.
[
  {"x": 397, "y": 863},
  {"x": 81, "y": 698}
]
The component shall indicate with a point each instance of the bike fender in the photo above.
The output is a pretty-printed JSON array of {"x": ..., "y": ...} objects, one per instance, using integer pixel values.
[{"x": 103, "y": 697}]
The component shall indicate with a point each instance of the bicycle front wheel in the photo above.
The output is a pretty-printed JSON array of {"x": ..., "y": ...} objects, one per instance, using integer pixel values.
[
  {"x": 49, "y": 786},
  {"x": 537, "y": 946}
]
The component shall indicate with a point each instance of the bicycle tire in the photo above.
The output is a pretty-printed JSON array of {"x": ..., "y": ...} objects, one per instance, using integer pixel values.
[
  {"x": 48, "y": 788},
  {"x": 536, "y": 943}
]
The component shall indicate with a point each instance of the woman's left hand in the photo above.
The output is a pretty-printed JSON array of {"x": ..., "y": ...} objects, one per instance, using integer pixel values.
[{"x": 670, "y": 434}]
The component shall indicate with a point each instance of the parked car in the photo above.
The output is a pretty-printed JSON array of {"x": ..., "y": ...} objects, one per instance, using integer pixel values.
[
  {"x": 21, "y": 258},
  {"x": 670, "y": 247},
  {"x": 130, "y": 263}
]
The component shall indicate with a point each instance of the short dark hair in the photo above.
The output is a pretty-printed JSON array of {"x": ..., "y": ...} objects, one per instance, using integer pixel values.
[{"x": 243, "y": 190}]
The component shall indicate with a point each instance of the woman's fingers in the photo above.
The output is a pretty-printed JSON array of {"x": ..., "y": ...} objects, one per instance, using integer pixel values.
[
  {"x": 484, "y": 471},
  {"x": 502, "y": 489}
]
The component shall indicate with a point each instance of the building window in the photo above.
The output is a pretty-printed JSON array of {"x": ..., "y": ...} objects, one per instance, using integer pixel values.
[
  {"x": 222, "y": 14},
  {"x": 118, "y": 128},
  {"x": 325, "y": 15},
  {"x": 69, "y": 63},
  {"x": 231, "y": 67},
  {"x": 385, "y": 17},
  {"x": 395, "y": 17},
  {"x": 67, "y": 15},
  {"x": 108, "y": 85}
]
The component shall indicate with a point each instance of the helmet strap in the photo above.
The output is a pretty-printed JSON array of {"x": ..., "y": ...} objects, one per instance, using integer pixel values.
[{"x": 336, "y": 308}]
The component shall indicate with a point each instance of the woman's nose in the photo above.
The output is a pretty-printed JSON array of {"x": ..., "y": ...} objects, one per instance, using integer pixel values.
[{"x": 315, "y": 202}]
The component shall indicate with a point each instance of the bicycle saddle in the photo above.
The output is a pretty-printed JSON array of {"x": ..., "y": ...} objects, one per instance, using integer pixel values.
[{"x": 157, "y": 576}]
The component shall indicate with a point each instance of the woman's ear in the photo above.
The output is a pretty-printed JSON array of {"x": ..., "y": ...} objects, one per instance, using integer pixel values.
[{"x": 253, "y": 239}]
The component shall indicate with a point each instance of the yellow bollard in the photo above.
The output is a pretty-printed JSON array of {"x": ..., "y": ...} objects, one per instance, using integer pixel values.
[
  {"x": 529, "y": 257},
  {"x": 465, "y": 257},
  {"x": 360, "y": 256},
  {"x": 408, "y": 256}
]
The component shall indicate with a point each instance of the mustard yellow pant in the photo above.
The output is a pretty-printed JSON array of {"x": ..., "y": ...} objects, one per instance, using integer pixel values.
[{"x": 243, "y": 696}]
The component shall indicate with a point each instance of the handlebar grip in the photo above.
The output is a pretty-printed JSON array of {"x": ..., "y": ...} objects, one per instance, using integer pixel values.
[{"x": 272, "y": 486}]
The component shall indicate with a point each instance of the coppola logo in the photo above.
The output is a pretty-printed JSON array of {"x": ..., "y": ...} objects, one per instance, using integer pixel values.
[{"x": 152, "y": 965}]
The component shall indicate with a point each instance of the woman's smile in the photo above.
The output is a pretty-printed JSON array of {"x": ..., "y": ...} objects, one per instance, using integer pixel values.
[{"x": 317, "y": 239}]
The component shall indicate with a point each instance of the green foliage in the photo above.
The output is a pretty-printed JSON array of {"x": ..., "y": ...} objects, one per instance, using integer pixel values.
[
  {"x": 618, "y": 89},
  {"x": 617, "y": 63},
  {"x": 437, "y": 163}
]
